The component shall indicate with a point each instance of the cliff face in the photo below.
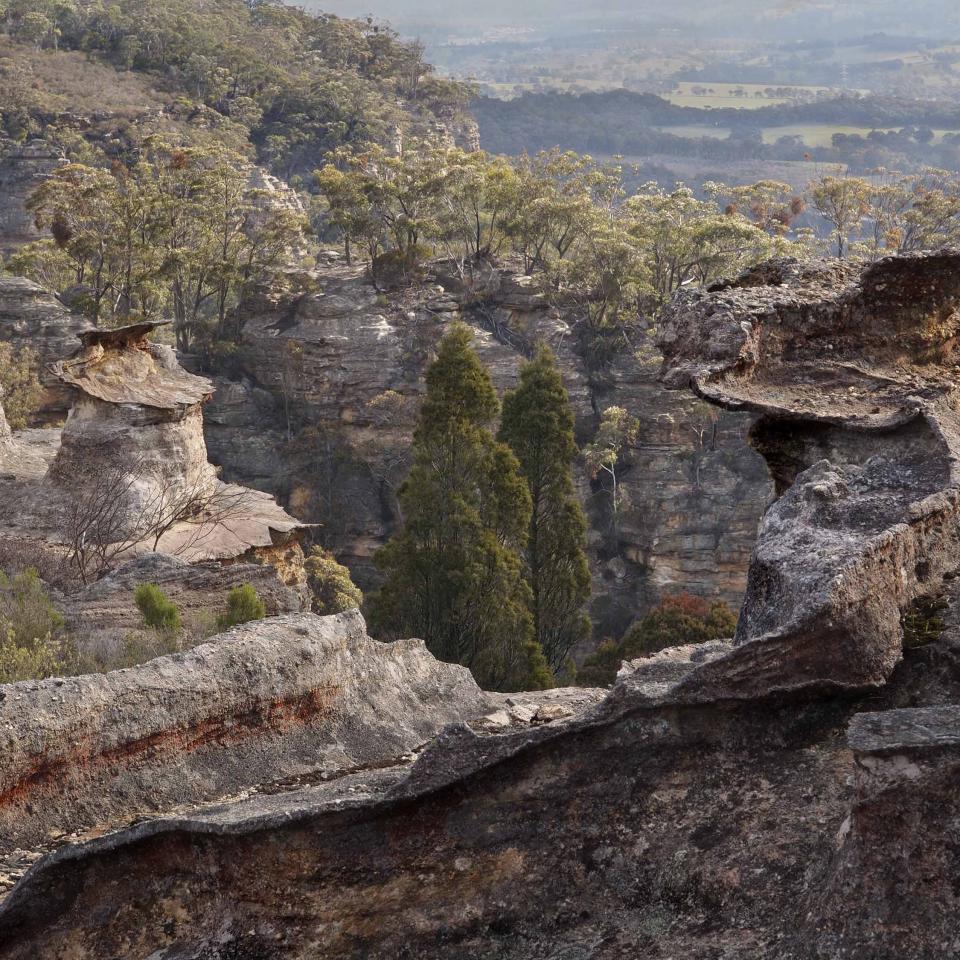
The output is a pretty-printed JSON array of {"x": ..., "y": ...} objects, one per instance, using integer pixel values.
[
  {"x": 22, "y": 169},
  {"x": 31, "y": 316},
  {"x": 323, "y": 408}
]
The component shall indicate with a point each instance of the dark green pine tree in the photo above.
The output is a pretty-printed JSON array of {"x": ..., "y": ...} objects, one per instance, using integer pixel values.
[
  {"x": 454, "y": 571},
  {"x": 537, "y": 425}
]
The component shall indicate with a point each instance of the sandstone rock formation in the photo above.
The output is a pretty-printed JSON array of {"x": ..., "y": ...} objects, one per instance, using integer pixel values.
[
  {"x": 31, "y": 316},
  {"x": 129, "y": 474},
  {"x": 322, "y": 408},
  {"x": 897, "y": 859},
  {"x": 854, "y": 375},
  {"x": 135, "y": 408}
]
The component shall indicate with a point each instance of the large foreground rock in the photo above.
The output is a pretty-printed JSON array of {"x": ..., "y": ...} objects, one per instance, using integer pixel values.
[{"x": 265, "y": 702}]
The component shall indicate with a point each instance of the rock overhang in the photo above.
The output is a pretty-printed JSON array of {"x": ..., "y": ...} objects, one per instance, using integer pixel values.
[
  {"x": 851, "y": 372},
  {"x": 121, "y": 366}
]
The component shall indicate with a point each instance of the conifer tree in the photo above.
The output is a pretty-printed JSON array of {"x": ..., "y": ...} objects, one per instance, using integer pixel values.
[
  {"x": 454, "y": 571},
  {"x": 537, "y": 424}
]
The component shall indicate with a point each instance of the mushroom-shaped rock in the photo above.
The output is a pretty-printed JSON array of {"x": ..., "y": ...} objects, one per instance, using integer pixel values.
[{"x": 851, "y": 372}]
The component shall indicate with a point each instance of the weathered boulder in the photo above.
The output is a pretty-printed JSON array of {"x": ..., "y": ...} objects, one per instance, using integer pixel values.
[
  {"x": 853, "y": 374},
  {"x": 137, "y": 411},
  {"x": 269, "y": 700}
]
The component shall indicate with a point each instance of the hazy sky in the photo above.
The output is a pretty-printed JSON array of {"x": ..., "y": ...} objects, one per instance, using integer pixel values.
[{"x": 930, "y": 16}]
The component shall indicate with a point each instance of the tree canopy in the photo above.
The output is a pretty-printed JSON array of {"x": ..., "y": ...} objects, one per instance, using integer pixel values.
[
  {"x": 537, "y": 424},
  {"x": 454, "y": 571}
]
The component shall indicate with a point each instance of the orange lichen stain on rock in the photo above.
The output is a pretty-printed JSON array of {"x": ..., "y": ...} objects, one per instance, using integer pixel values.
[{"x": 267, "y": 718}]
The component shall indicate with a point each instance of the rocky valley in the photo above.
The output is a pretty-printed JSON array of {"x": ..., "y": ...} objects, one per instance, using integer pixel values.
[
  {"x": 323, "y": 404},
  {"x": 783, "y": 794}
]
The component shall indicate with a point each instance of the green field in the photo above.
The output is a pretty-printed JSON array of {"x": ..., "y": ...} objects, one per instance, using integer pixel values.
[
  {"x": 813, "y": 134},
  {"x": 743, "y": 96}
]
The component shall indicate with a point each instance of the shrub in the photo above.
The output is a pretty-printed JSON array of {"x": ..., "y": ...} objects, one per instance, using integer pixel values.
[
  {"x": 31, "y": 647},
  {"x": 26, "y": 610},
  {"x": 20, "y": 388},
  {"x": 243, "y": 605},
  {"x": 35, "y": 660},
  {"x": 674, "y": 622},
  {"x": 157, "y": 610},
  {"x": 333, "y": 590},
  {"x": 601, "y": 668},
  {"x": 677, "y": 621}
]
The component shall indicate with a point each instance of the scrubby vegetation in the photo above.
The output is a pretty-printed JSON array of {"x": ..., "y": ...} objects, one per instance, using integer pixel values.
[
  {"x": 674, "y": 622},
  {"x": 331, "y": 587},
  {"x": 32, "y": 644},
  {"x": 158, "y": 611},
  {"x": 243, "y": 605}
]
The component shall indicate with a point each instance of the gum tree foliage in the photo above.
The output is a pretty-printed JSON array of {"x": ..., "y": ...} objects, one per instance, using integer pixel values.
[
  {"x": 20, "y": 389},
  {"x": 298, "y": 84},
  {"x": 617, "y": 431},
  {"x": 454, "y": 571},
  {"x": 180, "y": 232}
]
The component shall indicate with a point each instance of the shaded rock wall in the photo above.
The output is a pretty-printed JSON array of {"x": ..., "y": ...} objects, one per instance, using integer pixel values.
[
  {"x": 323, "y": 405},
  {"x": 22, "y": 169},
  {"x": 31, "y": 316}
]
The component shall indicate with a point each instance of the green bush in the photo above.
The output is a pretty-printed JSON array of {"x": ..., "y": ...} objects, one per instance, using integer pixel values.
[
  {"x": 674, "y": 622},
  {"x": 157, "y": 610},
  {"x": 243, "y": 605},
  {"x": 333, "y": 590},
  {"x": 601, "y": 668}
]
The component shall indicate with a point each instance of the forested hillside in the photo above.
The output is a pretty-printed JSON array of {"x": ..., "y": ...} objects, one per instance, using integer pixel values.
[{"x": 290, "y": 85}]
